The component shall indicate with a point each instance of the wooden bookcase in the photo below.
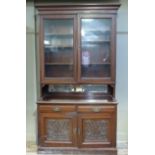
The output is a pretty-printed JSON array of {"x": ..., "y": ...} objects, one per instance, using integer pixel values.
[{"x": 77, "y": 49}]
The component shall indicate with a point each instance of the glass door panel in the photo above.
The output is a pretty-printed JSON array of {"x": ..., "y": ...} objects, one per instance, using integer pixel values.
[
  {"x": 58, "y": 48},
  {"x": 95, "y": 48}
]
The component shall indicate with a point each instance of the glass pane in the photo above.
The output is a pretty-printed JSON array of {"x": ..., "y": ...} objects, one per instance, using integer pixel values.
[
  {"x": 95, "y": 47},
  {"x": 58, "y": 47},
  {"x": 78, "y": 88}
]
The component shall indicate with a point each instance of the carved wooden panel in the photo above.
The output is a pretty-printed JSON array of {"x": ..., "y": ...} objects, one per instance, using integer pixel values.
[
  {"x": 58, "y": 129},
  {"x": 96, "y": 130}
]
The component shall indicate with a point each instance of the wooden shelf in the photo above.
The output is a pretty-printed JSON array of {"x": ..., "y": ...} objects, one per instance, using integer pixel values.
[
  {"x": 56, "y": 34},
  {"x": 58, "y": 63},
  {"x": 96, "y": 42},
  {"x": 93, "y": 63},
  {"x": 50, "y": 46}
]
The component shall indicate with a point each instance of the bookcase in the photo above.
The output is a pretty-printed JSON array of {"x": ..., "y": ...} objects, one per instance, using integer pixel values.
[{"x": 77, "y": 108}]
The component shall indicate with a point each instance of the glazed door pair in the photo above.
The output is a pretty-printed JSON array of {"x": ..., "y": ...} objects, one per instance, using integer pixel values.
[{"x": 77, "y": 48}]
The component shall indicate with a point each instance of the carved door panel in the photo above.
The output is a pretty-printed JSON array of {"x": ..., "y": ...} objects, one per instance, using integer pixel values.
[
  {"x": 57, "y": 129},
  {"x": 96, "y": 130}
]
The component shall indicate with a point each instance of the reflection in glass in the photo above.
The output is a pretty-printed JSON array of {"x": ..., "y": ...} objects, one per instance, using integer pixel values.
[
  {"x": 95, "y": 47},
  {"x": 58, "y": 47},
  {"x": 73, "y": 88}
]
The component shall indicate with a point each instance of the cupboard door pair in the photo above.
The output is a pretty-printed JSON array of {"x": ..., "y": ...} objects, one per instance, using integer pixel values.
[
  {"x": 85, "y": 130},
  {"x": 77, "y": 48}
]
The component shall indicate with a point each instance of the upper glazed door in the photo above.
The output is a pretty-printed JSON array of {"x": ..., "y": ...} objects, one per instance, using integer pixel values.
[
  {"x": 58, "y": 49},
  {"x": 96, "y": 48}
]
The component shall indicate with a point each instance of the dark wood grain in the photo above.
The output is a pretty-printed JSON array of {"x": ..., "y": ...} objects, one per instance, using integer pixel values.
[
  {"x": 77, "y": 125},
  {"x": 77, "y": 115},
  {"x": 74, "y": 74},
  {"x": 57, "y": 127}
]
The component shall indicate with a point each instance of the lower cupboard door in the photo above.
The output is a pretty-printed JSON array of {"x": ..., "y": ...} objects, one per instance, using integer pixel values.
[
  {"x": 96, "y": 130},
  {"x": 57, "y": 130}
]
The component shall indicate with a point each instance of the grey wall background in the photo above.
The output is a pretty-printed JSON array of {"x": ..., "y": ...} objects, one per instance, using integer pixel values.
[
  {"x": 122, "y": 71},
  {"x": 121, "y": 76}
]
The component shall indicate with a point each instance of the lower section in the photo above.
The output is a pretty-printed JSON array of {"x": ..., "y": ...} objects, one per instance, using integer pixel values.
[{"x": 76, "y": 126}]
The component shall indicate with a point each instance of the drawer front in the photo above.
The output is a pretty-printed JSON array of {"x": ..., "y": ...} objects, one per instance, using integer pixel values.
[
  {"x": 56, "y": 108},
  {"x": 96, "y": 109}
]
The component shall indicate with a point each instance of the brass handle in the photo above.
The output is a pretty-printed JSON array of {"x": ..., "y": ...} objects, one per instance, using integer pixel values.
[
  {"x": 56, "y": 109},
  {"x": 96, "y": 109}
]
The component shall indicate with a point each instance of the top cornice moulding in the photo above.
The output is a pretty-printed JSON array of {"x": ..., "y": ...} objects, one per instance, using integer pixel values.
[{"x": 76, "y": 6}]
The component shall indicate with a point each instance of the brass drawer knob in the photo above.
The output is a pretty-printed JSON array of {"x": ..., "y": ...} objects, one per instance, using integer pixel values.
[
  {"x": 96, "y": 109},
  {"x": 56, "y": 109}
]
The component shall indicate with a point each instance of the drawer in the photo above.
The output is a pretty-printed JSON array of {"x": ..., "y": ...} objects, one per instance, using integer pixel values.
[
  {"x": 96, "y": 109},
  {"x": 56, "y": 108}
]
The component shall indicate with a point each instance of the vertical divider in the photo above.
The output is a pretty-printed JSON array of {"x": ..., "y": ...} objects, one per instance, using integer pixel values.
[
  {"x": 79, "y": 47},
  {"x": 75, "y": 41}
]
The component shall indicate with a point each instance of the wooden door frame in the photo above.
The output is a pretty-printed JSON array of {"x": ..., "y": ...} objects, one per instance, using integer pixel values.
[
  {"x": 111, "y": 131},
  {"x": 112, "y": 48},
  {"x": 43, "y": 117},
  {"x": 66, "y": 80}
]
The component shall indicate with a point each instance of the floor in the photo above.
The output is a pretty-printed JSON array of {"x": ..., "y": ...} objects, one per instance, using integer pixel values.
[{"x": 122, "y": 150}]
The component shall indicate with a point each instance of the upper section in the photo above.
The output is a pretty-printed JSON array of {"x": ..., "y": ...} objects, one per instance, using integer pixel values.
[
  {"x": 77, "y": 43},
  {"x": 77, "y": 46}
]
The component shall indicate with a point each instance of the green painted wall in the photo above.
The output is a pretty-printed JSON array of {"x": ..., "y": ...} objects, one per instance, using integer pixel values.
[{"x": 121, "y": 77}]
